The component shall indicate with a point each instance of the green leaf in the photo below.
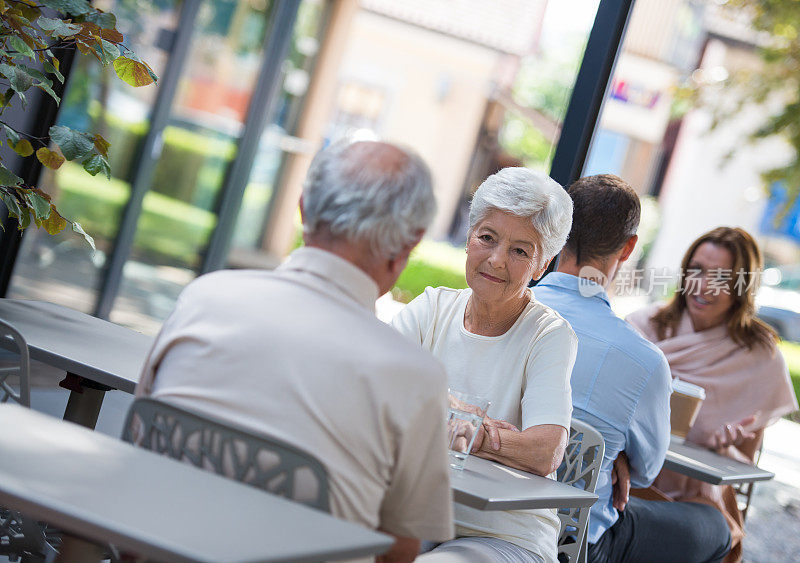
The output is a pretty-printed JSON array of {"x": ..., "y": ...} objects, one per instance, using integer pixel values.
[
  {"x": 5, "y": 98},
  {"x": 19, "y": 18},
  {"x": 108, "y": 51},
  {"x": 30, "y": 12},
  {"x": 38, "y": 74},
  {"x": 51, "y": 159},
  {"x": 134, "y": 72},
  {"x": 11, "y": 134},
  {"x": 47, "y": 88},
  {"x": 8, "y": 178},
  {"x": 19, "y": 79},
  {"x": 101, "y": 19},
  {"x": 39, "y": 205},
  {"x": 24, "y": 218},
  {"x": 73, "y": 144},
  {"x": 11, "y": 204},
  {"x": 58, "y": 28},
  {"x": 19, "y": 46},
  {"x": 78, "y": 229},
  {"x": 22, "y": 147},
  {"x": 48, "y": 67},
  {"x": 55, "y": 223},
  {"x": 97, "y": 164},
  {"x": 71, "y": 7}
]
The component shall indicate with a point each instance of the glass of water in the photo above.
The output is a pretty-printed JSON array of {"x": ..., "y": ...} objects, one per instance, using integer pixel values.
[{"x": 464, "y": 418}]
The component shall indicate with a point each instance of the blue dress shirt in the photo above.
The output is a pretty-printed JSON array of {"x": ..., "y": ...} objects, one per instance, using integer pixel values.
[{"x": 621, "y": 385}]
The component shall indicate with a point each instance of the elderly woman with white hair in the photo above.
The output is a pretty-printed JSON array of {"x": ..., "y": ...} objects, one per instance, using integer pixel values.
[{"x": 497, "y": 342}]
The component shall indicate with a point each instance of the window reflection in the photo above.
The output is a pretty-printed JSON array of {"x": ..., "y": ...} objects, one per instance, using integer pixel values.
[
  {"x": 62, "y": 268},
  {"x": 659, "y": 131},
  {"x": 278, "y": 141}
]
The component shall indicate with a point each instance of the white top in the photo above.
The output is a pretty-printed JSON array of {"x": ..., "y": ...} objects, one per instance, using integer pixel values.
[
  {"x": 106, "y": 490},
  {"x": 524, "y": 373},
  {"x": 298, "y": 353}
]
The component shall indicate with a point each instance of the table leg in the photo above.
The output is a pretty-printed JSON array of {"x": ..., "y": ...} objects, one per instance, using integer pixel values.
[
  {"x": 77, "y": 550},
  {"x": 85, "y": 400}
]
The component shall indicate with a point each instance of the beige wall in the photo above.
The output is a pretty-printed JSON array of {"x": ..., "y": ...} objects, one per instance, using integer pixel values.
[
  {"x": 436, "y": 88},
  {"x": 280, "y": 232}
]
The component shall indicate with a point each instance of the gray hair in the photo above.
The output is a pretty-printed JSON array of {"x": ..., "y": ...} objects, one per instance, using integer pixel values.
[
  {"x": 369, "y": 191},
  {"x": 527, "y": 193}
]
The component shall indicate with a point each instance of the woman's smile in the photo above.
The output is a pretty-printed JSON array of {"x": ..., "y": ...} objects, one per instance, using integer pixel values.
[{"x": 492, "y": 278}]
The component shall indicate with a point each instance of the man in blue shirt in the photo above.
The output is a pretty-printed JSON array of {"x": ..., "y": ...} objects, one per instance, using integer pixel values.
[{"x": 621, "y": 385}]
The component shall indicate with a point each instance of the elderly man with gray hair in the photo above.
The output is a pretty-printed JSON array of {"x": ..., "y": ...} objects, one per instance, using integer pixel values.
[
  {"x": 298, "y": 353},
  {"x": 496, "y": 341}
]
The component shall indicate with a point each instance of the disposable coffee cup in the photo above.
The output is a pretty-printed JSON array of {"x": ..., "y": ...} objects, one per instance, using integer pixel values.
[{"x": 684, "y": 404}]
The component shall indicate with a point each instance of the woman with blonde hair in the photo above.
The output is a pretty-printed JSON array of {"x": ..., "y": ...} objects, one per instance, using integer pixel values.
[{"x": 711, "y": 337}]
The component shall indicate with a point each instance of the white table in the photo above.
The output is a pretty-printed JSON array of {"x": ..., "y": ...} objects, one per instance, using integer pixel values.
[
  {"x": 97, "y": 355},
  {"x": 105, "y": 490},
  {"x": 488, "y": 485},
  {"x": 705, "y": 465}
]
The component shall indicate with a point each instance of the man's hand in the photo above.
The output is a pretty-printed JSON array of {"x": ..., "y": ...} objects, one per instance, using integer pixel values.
[
  {"x": 489, "y": 430},
  {"x": 404, "y": 550},
  {"x": 732, "y": 434},
  {"x": 621, "y": 479}
]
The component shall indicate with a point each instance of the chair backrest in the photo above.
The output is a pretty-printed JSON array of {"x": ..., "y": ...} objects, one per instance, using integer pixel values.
[
  {"x": 744, "y": 491},
  {"x": 257, "y": 460},
  {"x": 580, "y": 468},
  {"x": 20, "y": 535},
  {"x": 21, "y": 371}
]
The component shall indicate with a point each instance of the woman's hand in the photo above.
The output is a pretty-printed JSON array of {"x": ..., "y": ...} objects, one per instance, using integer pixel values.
[
  {"x": 489, "y": 429},
  {"x": 732, "y": 434},
  {"x": 538, "y": 449}
]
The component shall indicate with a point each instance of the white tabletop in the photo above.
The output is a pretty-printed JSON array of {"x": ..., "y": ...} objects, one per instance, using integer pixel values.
[
  {"x": 488, "y": 485},
  {"x": 108, "y": 491},
  {"x": 699, "y": 463},
  {"x": 78, "y": 343}
]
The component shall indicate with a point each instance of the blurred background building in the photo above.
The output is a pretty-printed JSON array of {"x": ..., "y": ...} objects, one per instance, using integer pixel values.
[{"x": 207, "y": 166}]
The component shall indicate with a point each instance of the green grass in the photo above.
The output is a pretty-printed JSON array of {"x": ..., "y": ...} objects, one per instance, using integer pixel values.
[
  {"x": 169, "y": 229},
  {"x": 791, "y": 353},
  {"x": 173, "y": 231},
  {"x": 431, "y": 264}
]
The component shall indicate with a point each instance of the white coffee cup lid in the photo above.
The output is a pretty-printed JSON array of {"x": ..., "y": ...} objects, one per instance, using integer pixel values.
[{"x": 690, "y": 389}]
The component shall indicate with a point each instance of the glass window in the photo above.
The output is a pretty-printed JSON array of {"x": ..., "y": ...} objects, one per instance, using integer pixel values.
[
  {"x": 62, "y": 268},
  {"x": 529, "y": 95},
  {"x": 677, "y": 124},
  {"x": 278, "y": 141},
  {"x": 198, "y": 144}
]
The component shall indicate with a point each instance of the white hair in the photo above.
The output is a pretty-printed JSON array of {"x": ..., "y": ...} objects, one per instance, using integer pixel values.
[
  {"x": 369, "y": 191},
  {"x": 531, "y": 194}
]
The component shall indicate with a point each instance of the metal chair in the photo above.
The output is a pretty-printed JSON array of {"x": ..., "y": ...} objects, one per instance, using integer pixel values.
[
  {"x": 20, "y": 536},
  {"x": 22, "y": 394},
  {"x": 256, "y": 460},
  {"x": 580, "y": 468},
  {"x": 744, "y": 491}
]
